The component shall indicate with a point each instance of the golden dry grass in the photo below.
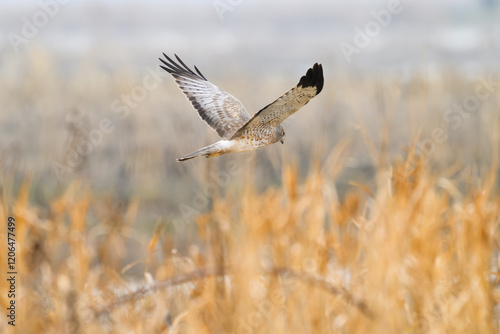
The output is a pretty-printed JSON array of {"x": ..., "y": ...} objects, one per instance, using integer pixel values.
[{"x": 412, "y": 255}]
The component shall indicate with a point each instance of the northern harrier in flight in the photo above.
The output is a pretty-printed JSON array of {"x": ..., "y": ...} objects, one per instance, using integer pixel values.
[{"x": 226, "y": 115}]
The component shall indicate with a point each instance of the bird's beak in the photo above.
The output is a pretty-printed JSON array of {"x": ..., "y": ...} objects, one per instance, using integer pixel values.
[{"x": 282, "y": 141}]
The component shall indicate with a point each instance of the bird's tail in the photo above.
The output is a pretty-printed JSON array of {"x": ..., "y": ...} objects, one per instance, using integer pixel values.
[{"x": 208, "y": 151}]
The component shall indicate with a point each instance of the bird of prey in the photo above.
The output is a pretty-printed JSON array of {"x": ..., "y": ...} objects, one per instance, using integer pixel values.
[{"x": 227, "y": 116}]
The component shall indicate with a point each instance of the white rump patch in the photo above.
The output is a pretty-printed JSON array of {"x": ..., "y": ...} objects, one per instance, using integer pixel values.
[{"x": 226, "y": 143}]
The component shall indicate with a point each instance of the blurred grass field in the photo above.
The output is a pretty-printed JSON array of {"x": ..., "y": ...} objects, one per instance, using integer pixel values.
[
  {"x": 414, "y": 255},
  {"x": 356, "y": 226}
]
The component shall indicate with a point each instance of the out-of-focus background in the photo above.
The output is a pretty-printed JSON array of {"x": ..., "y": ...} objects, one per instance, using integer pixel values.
[
  {"x": 68, "y": 65},
  {"x": 86, "y": 106}
]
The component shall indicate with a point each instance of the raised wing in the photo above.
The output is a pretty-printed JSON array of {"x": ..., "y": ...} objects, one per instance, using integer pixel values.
[
  {"x": 222, "y": 111},
  {"x": 273, "y": 114}
]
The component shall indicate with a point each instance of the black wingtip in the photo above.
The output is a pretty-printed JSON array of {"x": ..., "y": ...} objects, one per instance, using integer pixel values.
[
  {"x": 179, "y": 67},
  {"x": 313, "y": 78}
]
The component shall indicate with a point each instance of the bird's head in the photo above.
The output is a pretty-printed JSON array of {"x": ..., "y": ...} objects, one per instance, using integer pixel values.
[{"x": 281, "y": 134}]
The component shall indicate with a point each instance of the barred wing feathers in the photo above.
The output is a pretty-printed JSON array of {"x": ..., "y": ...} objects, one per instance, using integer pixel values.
[
  {"x": 276, "y": 112},
  {"x": 219, "y": 109}
]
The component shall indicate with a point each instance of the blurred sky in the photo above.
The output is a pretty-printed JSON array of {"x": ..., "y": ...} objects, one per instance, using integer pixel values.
[{"x": 262, "y": 35}]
